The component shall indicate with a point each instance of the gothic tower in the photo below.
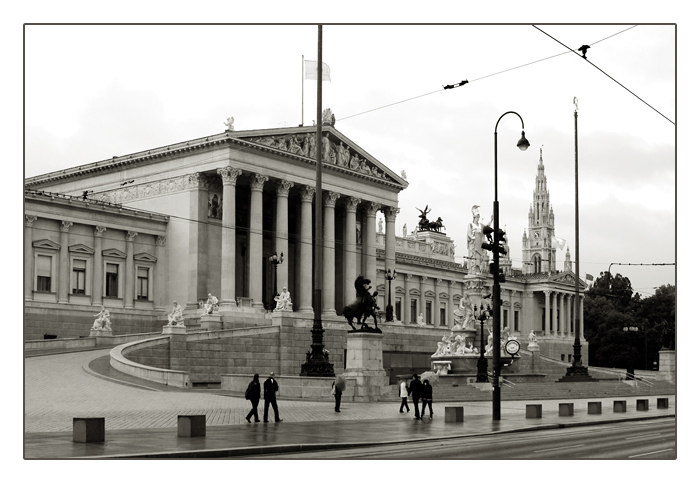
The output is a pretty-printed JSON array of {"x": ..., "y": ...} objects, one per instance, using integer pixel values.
[{"x": 539, "y": 255}]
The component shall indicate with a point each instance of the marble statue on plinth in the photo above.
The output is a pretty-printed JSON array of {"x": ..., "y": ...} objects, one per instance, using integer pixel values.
[
  {"x": 421, "y": 322},
  {"x": 284, "y": 301},
  {"x": 464, "y": 314},
  {"x": 209, "y": 305},
  {"x": 175, "y": 316},
  {"x": 102, "y": 321},
  {"x": 478, "y": 256},
  {"x": 533, "y": 341}
]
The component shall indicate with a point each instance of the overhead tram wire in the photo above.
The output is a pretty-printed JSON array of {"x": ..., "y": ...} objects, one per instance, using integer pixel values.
[
  {"x": 483, "y": 77},
  {"x": 608, "y": 75}
]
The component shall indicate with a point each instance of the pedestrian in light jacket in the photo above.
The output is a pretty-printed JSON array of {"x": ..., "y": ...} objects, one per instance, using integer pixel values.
[
  {"x": 403, "y": 394},
  {"x": 414, "y": 391}
]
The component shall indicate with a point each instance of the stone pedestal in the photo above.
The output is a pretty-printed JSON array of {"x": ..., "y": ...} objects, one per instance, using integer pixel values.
[
  {"x": 667, "y": 365},
  {"x": 100, "y": 333},
  {"x": 89, "y": 430},
  {"x": 365, "y": 364},
  {"x": 174, "y": 329},
  {"x": 442, "y": 368},
  {"x": 211, "y": 322}
]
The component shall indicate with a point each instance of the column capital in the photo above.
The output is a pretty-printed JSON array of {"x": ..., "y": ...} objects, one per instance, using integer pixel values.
[
  {"x": 160, "y": 241},
  {"x": 65, "y": 225},
  {"x": 423, "y": 278},
  {"x": 196, "y": 181},
  {"x": 547, "y": 292},
  {"x": 453, "y": 283},
  {"x": 371, "y": 208},
  {"x": 257, "y": 181},
  {"x": 283, "y": 186},
  {"x": 351, "y": 204},
  {"x": 329, "y": 199},
  {"x": 409, "y": 276},
  {"x": 390, "y": 213},
  {"x": 130, "y": 235},
  {"x": 99, "y": 230},
  {"x": 307, "y": 193},
  {"x": 29, "y": 220},
  {"x": 229, "y": 175}
]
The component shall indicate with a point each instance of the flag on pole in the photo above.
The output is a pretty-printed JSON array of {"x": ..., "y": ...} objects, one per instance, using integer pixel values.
[
  {"x": 312, "y": 69},
  {"x": 589, "y": 277},
  {"x": 558, "y": 243}
]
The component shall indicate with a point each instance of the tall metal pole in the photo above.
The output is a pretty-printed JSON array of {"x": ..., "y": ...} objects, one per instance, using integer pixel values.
[
  {"x": 317, "y": 365},
  {"x": 302, "y": 91},
  {"x": 577, "y": 369}
]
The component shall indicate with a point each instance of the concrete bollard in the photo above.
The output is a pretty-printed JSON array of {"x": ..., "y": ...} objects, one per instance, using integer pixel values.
[
  {"x": 89, "y": 430},
  {"x": 533, "y": 411},
  {"x": 595, "y": 408},
  {"x": 619, "y": 406},
  {"x": 566, "y": 409},
  {"x": 191, "y": 426},
  {"x": 662, "y": 403},
  {"x": 454, "y": 414},
  {"x": 642, "y": 405}
]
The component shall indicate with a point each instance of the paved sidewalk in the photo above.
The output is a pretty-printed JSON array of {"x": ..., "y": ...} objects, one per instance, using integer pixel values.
[{"x": 142, "y": 422}]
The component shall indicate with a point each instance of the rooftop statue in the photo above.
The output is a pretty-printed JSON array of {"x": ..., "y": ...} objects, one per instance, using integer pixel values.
[
  {"x": 229, "y": 124},
  {"x": 426, "y": 225}
]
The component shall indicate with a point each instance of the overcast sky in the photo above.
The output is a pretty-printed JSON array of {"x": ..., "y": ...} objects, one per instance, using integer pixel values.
[{"x": 93, "y": 92}]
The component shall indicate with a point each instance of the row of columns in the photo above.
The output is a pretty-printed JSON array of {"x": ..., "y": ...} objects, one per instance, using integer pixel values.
[
  {"x": 563, "y": 322},
  {"x": 229, "y": 176},
  {"x": 63, "y": 288}
]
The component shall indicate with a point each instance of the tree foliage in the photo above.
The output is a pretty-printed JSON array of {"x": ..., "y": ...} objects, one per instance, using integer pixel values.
[{"x": 610, "y": 306}]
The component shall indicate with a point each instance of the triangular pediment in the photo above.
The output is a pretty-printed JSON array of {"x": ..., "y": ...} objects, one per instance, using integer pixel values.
[
  {"x": 414, "y": 291},
  {"x": 445, "y": 296},
  {"x": 80, "y": 248},
  {"x": 429, "y": 293},
  {"x": 114, "y": 253},
  {"x": 145, "y": 257},
  {"x": 45, "y": 243},
  {"x": 399, "y": 290},
  {"x": 340, "y": 153},
  {"x": 568, "y": 278}
]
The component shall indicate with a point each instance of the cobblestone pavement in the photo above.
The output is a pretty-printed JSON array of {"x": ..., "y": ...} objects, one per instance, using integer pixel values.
[{"x": 58, "y": 388}]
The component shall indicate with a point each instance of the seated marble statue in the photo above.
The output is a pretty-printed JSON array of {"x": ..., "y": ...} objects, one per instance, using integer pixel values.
[
  {"x": 284, "y": 301},
  {"x": 175, "y": 316},
  {"x": 102, "y": 321},
  {"x": 209, "y": 305},
  {"x": 420, "y": 320},
  {"x": 460, "y": 345},
  {"x": 532, "y": 336},
  {"x": 471, "y": 349},
  {"x": 460, "y": 313},
  {"x": 440, "y": 350}
]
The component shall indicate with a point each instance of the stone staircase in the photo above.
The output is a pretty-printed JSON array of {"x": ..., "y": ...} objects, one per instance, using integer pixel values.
[{"x": 547, "y": 390}]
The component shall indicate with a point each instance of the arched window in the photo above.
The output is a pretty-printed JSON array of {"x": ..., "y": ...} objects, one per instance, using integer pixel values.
[{"x": 537, "y": 263}]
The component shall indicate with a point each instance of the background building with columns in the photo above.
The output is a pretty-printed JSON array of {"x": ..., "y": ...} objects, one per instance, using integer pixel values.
[{"x": 177, "y": 222}]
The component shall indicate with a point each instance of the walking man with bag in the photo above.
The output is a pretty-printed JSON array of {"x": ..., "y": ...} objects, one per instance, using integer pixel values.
[
  {"x": 414, "y": 390},
  {"x": 253, "y": 395}
]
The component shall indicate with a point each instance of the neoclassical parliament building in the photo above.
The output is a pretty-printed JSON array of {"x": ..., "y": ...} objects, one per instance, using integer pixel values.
[{"x": 135, "y": 233}]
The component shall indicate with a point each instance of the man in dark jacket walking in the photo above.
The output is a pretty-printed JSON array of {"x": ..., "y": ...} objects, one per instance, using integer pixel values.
[
  {"x": 270, "y": 389},
  {"x": 253, "y": 395},
  {"x": 414, "y": 391}
]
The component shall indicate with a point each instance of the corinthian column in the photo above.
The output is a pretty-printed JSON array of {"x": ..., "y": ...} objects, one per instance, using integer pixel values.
[
  {"x": 97, "y": 268},
  {"x": 28, "y": 256},
  {"x": 547, "y": 323},
  {"x": 160, "y": 278},
  {"x": 129, "y": 292},
  {"x": 229, "y": 176},
  {"x": 256, "y": 239},
  {"x": 64, "y": 264},
  {"x": 350, "y": 249},
  {"x": 329, "y": 199},
  {"x": 369, "y": 245},
  {"x": 390, "y": 248},
  {"x": 282, "y": 231},
  {"x": 306, "y": 259}
]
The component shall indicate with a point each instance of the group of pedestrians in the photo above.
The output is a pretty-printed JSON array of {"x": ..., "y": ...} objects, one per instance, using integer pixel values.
[
  {"x": 269, "y": 389},
  {"x": 418, "y": 391}
]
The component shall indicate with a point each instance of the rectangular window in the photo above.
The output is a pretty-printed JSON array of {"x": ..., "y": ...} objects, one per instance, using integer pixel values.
[
  {"x": 43, "y": 273},
  {"x": 414, "y": 309},
  {"x": 142, "y": 284},
  {"x": 397, "y": 312},
  {"x": 505, "y": 318},
  {"x": 443, "y": 314},
  {"x": 544, "y": 327},
  {"x": 516, "y": 321},
  {"x": 79, "y": 267},
  {"x": 112, "y": 280},
  {"x": 429, "y": 312}
]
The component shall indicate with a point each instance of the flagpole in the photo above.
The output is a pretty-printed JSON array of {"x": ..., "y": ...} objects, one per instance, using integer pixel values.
[{"x": 302, "y": 91}]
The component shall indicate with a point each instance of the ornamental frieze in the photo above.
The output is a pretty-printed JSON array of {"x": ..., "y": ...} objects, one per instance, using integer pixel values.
[
  {"x": 337, "y": 154},
  {"x": 144, "y": 190}
]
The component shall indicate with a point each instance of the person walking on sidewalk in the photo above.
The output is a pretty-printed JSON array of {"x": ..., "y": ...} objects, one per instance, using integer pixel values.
[
  {"x": 270, "y": 389},
  {"x": 427, "y": 397},
  {"x": 337, "y": 393},
  {"x": 253, "y": 395},
  {"x": 403, "y": 394},
  {"x": 414, "y": 391}
]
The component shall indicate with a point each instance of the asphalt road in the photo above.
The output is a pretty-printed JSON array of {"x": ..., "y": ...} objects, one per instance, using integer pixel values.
[{"x": 651, "y": 440}]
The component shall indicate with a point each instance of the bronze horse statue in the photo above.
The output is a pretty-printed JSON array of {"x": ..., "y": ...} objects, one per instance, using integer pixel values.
[{"x": 365, "y": 305}]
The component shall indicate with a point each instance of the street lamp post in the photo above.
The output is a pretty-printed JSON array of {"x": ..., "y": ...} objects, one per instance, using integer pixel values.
[
  {"x": 482, "y": 365},
  {"x": 389, "y": 276},
  {"x": 275, "y": 260},
  {"x": 523, "y": 144},
  {"x": 630, "y": 360}
]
